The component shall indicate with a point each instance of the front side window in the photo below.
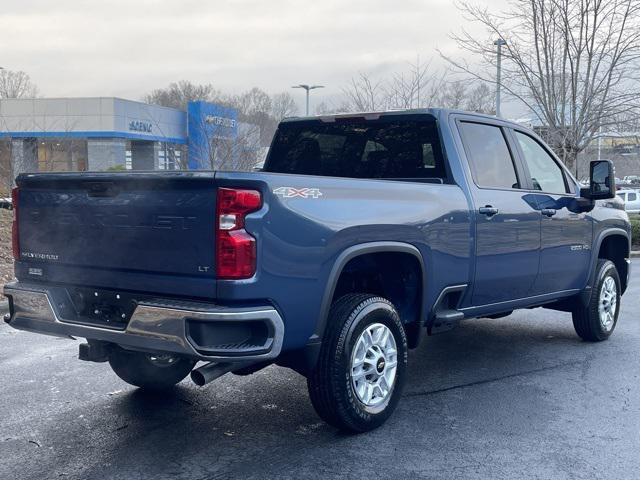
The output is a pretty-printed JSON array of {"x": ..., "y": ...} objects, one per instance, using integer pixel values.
[
  {"x": 632, "y": 197},
  {"x": 490, "y": 159},
  {"x": 546, "y": 174}
]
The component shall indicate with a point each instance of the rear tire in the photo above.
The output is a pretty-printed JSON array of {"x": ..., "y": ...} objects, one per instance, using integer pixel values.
[
  {"x": 597, "y": 321},
  {"x": 147, "y": 370},
  {"x": 361, "y": 370}
]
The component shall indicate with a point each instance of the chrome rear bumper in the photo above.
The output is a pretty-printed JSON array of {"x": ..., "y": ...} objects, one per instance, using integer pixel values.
[{"x": 158, "y": 326}]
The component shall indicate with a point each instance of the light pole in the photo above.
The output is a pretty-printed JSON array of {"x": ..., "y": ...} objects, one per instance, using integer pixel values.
[
  {"x": 499, "y": 43},
  {"x": 307, "y": 88},
  {"x": 600, "y": 142}
]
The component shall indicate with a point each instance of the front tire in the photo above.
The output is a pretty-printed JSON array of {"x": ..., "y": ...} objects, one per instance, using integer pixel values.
[
  {"x": 149, "y": 371},
  {"x": 597, "y": 321},
  {"x": 360, "y": 374}
]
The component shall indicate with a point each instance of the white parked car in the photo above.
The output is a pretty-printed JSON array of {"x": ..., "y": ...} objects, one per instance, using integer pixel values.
[{"x": 631, "y": 199}]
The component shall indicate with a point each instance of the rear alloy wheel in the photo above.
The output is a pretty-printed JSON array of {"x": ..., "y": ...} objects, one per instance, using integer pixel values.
[
  {"x": 374, "y": 364},
  {"x": 596, "y": 321},
  {"x": 358, "y": 380},
  {"x": 150, "y": 371}
]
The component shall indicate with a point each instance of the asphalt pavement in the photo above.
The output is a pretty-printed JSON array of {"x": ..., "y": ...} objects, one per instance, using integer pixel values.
[{"x": 517, "y": 397}]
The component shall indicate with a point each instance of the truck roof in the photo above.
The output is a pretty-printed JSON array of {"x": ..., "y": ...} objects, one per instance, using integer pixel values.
[{"x": 436, "y": 112}]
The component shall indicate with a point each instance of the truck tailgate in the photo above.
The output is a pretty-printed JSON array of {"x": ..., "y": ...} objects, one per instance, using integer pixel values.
[{"x": 147, "y": 223}]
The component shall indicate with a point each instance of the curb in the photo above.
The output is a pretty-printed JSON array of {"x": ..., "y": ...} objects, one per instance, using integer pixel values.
[{"x": 634, "y": 253}]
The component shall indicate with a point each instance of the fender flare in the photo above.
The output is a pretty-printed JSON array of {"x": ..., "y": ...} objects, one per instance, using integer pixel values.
[
  {"x": 586, "y": 294},
  {"x": 339, "y": 264}
]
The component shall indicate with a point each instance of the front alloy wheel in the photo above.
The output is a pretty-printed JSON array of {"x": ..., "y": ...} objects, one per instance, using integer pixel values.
[
  {"x": 608, "y": 303},
  {"x": 597, "y": 320}
]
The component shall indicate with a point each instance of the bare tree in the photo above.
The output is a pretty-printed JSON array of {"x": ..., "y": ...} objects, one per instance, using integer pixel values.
[
  {"x": 452, "y": 94},
  {"x": 364, "y": 94},
  {"x": 465, "y": 94},
  {"x": 239, "y": 153},
  {"x": 410, "y": 88},
  {"x": 414, "y": 88},
  {"x": 257, "y": 107},
  {"x": 252, "y": 103},
  {"x": 333, "y": 107},
  {"x": 6, "y": 168},
  {"x": 282, "y": 106},
  {"x": 480, "y": 99},
  {"x": 417, "y": 86},
  {"x": 572, "y": 63},
  {"x": 16, "y": 84},
  {"x": 179, "y": 94},
  {"x": 324, "y": 108}
]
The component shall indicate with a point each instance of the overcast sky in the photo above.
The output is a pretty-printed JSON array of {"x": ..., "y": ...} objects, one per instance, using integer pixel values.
[{"x": 126, "y": 48}]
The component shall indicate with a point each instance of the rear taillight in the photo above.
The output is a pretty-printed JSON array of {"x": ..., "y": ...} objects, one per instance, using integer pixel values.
[
  {"x": 235, "y": 248},
  {"x": 15, "y": 238}
]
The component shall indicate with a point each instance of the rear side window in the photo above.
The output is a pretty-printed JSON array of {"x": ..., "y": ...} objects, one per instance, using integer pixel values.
[
  {"x": 389, "y": 148},
  {"x": 491, "y": 161}
]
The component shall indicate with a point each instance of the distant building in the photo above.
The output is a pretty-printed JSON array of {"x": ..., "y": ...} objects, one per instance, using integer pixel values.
[{"x": 106, "y": 133}]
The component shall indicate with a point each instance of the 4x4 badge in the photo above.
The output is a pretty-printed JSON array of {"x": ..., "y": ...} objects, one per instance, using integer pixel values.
[{"x": 291, "y": 192}]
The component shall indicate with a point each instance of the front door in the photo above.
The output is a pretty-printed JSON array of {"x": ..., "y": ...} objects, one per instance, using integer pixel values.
[
  {"x": 566, "y": 233},
  {"x": 507, "y": 221}
]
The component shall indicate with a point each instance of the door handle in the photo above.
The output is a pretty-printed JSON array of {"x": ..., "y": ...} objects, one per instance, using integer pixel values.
[
  {"x": 488, "y": 210},
  {"x": 549, "y": 212}
]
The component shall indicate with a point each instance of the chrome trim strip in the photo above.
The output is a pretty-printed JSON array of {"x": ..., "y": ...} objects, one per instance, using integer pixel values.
[{"x": 152, "y": 327}]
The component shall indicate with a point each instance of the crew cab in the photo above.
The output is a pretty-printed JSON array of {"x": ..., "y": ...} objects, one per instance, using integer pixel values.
[{"x": 362, "y": 234}]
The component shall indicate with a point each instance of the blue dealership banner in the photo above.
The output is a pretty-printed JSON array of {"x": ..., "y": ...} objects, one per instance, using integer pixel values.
[{"x": 206, "y": 123}]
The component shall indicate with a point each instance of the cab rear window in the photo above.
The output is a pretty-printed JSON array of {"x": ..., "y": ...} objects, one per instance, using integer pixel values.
[{"x": 388, "y": 148}]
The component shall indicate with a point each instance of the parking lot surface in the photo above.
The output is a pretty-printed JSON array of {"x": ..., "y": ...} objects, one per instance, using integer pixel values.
[{"x": 517, "y": 397}]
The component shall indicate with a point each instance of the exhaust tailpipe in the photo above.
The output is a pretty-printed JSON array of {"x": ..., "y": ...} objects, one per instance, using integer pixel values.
[{"x": 209, "y": 372}]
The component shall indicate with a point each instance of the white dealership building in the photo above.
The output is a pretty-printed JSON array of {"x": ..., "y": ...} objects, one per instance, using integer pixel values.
[{"x": 107, "y": 133}]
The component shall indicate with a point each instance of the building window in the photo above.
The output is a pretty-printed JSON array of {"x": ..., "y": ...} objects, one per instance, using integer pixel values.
[
  {"x": 174, "y": 157},
  {"x": 61, "y": 154},
  {"x": 162, "y": 157}
]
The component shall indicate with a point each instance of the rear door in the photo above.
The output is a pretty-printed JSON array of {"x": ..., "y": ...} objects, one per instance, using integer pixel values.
[
  {"x": 507, "y": 222},
  {"x": 566, "y": 233}
]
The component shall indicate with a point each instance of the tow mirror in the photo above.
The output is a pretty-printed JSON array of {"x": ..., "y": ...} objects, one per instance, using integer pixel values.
[{"x": 602, "y": 182}]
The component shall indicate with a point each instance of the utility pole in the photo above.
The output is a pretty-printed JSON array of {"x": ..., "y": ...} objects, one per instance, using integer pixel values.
[
  {"x": 307, "y": 88},
  {"x": 499, "y": 43}
]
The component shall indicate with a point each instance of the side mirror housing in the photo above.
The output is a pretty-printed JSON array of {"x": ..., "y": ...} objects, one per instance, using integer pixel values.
[{"x": 602, "y": 183}]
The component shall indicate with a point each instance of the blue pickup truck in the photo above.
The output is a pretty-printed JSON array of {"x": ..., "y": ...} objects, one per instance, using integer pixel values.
[{"x": 361, "y": 234}]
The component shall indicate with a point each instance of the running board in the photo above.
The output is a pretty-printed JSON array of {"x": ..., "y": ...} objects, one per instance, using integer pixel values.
[
  {"x": 446, "y": 320},
  {"x": 445, "y": 315}
]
